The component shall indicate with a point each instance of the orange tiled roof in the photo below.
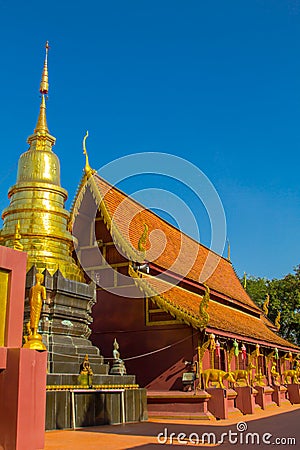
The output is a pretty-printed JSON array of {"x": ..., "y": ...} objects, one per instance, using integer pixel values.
[
  {"x": 185, "y": 306},
  {"x": 170, "y": 249}
]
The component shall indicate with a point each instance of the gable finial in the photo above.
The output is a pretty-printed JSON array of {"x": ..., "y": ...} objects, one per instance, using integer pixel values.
[
  {"x": 88, "y": 170},
  {"x": 228, "y": 250},
  {"x": 245, "y": 281}
]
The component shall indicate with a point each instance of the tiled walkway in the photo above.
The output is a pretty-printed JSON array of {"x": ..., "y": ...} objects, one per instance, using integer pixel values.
[{"x": 141, "y": 436}]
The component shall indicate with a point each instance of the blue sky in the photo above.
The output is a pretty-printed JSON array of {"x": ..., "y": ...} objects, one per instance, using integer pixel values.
[{"x": 217, "y": 83}]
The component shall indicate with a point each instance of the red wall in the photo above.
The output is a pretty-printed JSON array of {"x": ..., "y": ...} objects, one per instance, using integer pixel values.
[{"x": 124, "y": 319}]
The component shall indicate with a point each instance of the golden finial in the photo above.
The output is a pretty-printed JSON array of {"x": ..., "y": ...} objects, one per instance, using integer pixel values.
[
  {"x": 17, "y": 238},
  {"x": 44, "y": 86},
  {"x": 266, "y": 304},
  {"x": 228, "y": 250},
  {"x": 88, "y": 170},
  {"x": 277, "y": 321},
  {"x": 245, "y": 280},
  {"x": 143, "y": 239}
]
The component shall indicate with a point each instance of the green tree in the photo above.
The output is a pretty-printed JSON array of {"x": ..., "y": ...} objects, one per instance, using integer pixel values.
[{"x": 257, "y": 288}]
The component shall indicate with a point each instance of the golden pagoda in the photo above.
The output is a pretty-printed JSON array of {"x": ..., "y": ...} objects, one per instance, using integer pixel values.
[{"x": 37, "y": 202}]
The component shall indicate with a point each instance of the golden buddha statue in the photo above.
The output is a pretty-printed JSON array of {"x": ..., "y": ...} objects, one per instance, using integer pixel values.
[
  {"x": 37, "y": 295},
  {"x": 86, "y": 374}
]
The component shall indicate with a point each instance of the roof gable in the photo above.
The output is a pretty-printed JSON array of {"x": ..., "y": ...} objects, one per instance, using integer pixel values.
[{"x": 166, "y": 246}]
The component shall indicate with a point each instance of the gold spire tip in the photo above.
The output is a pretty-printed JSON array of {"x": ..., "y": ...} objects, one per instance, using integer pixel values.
[
  {"x": 44, "y": 86},
  {"x": 41, "y": 125}
]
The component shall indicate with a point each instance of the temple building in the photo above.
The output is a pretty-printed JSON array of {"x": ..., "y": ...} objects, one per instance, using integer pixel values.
[
  {"x": 191, "y": 332},
  {"x": 162, "y": 316}
]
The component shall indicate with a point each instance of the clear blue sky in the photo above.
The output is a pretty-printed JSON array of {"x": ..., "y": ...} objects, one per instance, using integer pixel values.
[{"x": 216, "y": 82}]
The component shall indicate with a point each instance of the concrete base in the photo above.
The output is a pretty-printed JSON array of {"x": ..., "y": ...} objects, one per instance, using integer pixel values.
[
  {"x": 178, "y": 404},
  {"x": 94, "y": 408},
  {"x": 264, "y": 396},
  {"x": 245, "y": 400},
  {"x": 293, "y": 393}
]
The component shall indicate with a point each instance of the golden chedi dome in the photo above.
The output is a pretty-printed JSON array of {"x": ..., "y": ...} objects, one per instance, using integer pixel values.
[{"x": 37, "y": 202}]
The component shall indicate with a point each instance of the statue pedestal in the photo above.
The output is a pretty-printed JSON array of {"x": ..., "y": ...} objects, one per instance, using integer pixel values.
[
  {"x": 35, "y": 344},
  {"x": 232, "y": 408},
  {"x": 222, "y": 403},
  {"x": 218, "y": 403},
  {"x": 118, "y": 368},
  {"x": 264, "y": 396},
  {"x": 245, "y": 400},
  {"x": 279, "y": 395},
  {"x": 293, "y": 393}
]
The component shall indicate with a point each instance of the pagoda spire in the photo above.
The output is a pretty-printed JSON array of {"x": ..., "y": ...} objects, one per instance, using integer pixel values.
[
  {"x": 41, "y": 138},
  {"x": 37, "y": 203},
  {"x": 41, "y": 125},
  {"x": 44, "y": 86}
]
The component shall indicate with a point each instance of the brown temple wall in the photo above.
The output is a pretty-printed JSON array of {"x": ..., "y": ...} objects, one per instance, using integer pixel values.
[{"x": 124, "y": 319}]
